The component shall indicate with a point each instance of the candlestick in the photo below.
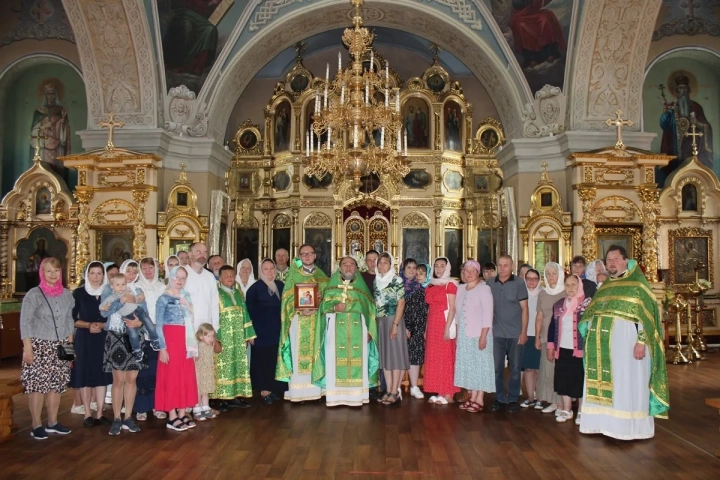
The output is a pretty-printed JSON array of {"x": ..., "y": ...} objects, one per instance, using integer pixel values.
[
  {"x": 399, "y": 146},
  {"x": 355, "y": 136},
  {"x": 329, "y": 137},
  {"x": 406, "y": 142},
  {"x": 311, "y": 144},
  {"x": 326, "y": 96},
  {"x": 339, "y": 61},
  {"x": 372, "y": 58},
  {"x": 367, "y": 92},
  {"x": 397, "y": 101},
  {"x": 387, "y": 98},
  {"x": 382, "y": 137},
  {"x": 342, "y": 94},
  {"x": 307, "y": 144},
  {"x": 387, "y": 73}
]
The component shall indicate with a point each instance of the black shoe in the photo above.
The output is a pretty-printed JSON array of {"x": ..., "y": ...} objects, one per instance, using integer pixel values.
[
  {"x": 57, "y": 428},
  {"x": 39, "y": 433},
  {"x": 88, "y": 422},
  {"x": 223, "y": 407},
  {"x": 267, "y": 399},
  {"x": 513, "y": 407},
  {"x": 102, "y": 421},
  {"x": 496, "y": 407},
  {"x": 374, "y": 394},
  {"x": 238, "y": 403}
]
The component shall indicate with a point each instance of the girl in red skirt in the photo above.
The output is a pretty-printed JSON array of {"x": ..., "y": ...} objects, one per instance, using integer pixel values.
[{"x": 176, "y": 390}]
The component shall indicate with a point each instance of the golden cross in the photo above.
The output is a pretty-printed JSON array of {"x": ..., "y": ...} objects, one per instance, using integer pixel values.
[
  {"x": 111, "y": 125},
  {"x": 345, "y": 287},
  {"x": 37, "y": 144},
  {"x": 694, "y": 136},
  {"x": 619, "y": 123}
]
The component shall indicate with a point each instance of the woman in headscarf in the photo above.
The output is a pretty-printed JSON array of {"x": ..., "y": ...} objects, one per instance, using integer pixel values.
[
  {"x": 170, "y": 262},
  {"x": 389, "y": 295},
  {"x": 263, "y": 304},
  {"x": 554, "y": 290},
  {"x": 176, "y": 387},
  {"x": 415, "y": 315},
  {"x": 46, "y": 321},
  {"x": 531, "y": 354},
  {"x": 87, "y": 372},
  {"x": 118, "y": 357},
  {"x": 245, "y": 275},
  {"x": 152, "y": 287},
  {"x": 474, "y": 366},
  {"x": 596, "y": 272},
  {"x": 439, "y": 347},
  {"x": 565, "y": 346}
]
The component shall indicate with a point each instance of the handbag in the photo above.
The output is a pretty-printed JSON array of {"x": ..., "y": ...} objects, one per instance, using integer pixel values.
[
  {"x": 452, "y": 331},
  {"x": 66, "y": 350}
]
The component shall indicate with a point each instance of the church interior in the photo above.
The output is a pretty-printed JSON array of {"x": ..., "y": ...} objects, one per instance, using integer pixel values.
[{"x": 469, "y": 129}]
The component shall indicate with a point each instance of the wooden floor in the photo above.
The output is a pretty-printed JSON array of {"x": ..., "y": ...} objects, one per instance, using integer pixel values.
[{"x": 414, "y": 441}]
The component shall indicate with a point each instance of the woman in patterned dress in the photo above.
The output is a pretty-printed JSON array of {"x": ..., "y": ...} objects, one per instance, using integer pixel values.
[
  {"x": 390, "y": 301},
  {"x": 439, "y": 348},
  {"x": 474, "y": 365},
  {"x": 415, "y": 316}
]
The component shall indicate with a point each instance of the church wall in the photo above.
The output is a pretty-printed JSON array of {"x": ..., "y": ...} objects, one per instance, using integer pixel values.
[
  {"x": 17, "y": 50},
  {"x": 658, "y": 47},
  {"x": 707, "y": 95},
  {"x": 22, "y": 98},
  {"x": 253, "y": 100}
]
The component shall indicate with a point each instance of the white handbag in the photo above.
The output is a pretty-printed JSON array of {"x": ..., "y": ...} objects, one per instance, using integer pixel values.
[{"x": 452, "y": 331}]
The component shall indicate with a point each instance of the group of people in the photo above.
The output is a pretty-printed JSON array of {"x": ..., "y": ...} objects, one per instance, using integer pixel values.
[{"x": 214, "y": 332}]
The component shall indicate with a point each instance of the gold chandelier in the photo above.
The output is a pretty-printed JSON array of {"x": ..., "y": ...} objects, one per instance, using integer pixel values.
[{"x": 341, "y": 140}]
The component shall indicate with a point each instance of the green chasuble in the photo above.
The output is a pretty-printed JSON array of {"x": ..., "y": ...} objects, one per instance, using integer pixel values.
[
  {"x": 628, "y": 297},
  {"x": 308, "y": 348},
  {"x": 349, "y": 336},
  {"x": 232, "y": 371}
]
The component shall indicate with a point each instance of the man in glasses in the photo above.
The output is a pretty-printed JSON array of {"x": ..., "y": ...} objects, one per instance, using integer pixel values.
[{"x": 298, "y": 345}]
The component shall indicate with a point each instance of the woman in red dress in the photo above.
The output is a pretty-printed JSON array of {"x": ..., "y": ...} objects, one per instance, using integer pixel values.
[{"x": 439, "y": 348}]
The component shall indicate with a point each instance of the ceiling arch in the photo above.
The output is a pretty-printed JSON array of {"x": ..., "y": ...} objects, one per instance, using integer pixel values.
[{"x": 505, "y": 85}]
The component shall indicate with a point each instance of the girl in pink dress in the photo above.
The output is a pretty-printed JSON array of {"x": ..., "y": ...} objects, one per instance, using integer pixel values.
[{"x": 439, "y": 348}]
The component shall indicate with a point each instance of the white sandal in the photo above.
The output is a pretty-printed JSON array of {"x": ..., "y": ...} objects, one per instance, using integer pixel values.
[
  {"x": 141, "y": 417},
  {"x": 440, "y": 400},
  {"x": 160, "y": 414},
  {"x": 432, "y": 399}
]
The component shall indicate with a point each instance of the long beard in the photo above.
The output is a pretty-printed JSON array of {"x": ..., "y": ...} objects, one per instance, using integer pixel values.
[
  {"x": 348, "y": 277},
  {"x": 684, "y": 106}
]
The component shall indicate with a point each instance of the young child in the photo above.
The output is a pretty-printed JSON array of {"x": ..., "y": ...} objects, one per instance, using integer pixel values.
[
  {"x": 129, "y": 310},
  {"x": 205, "y": 371}
]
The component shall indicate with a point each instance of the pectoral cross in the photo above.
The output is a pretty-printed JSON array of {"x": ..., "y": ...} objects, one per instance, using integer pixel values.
[
  {"x": 694, "y": 136},
  {"x": 111, "y": 125},
  {"x": 619, "y": 123},
  {"x": 37, "y": 138},
  {"x": 345, "y": 287}
]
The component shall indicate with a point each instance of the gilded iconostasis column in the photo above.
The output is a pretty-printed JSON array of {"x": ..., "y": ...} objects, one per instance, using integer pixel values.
[
  {"x": 650, "y": 194},
  {"x": 4, "y": 281},
  {"x": 296, "y": 232},
  {"x": 438, "y": 233},
  {"x": 266, "y": 233},
  {"x": 587, "y": 195},
  {"x": 140, "y": 196},
  {"x": 339, "y": 234},
  {"x": 395, "y": 233},
  {"x": 83, "y": 195}
]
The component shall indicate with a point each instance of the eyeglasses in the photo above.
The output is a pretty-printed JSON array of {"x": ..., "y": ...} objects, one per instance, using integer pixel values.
[{"x": 307, "y": 254}]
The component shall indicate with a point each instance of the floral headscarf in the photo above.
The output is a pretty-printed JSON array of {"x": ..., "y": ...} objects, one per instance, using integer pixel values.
[
  {"x": 54, "y": 290},
  {"x": 411, "y": 284}
]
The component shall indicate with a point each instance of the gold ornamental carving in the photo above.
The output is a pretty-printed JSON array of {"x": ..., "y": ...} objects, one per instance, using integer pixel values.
[
  {"x": 587, "y": 195},
  {"x": 281, "y": 221},
  {"x": 139, "y": 238},
  {"x": 683, "y": 263},
  {"x": 649, "y": 194},
  {"x": 317, "y": 220},
  {"x": 115, "y": 212},
  {"x": 614, "y": 209},
  {"x": 415, "y": 220},
  {"x": 453, "y": 221},
  {"x": 83, "y": 195},
  {"x": 613, "y": 176}
]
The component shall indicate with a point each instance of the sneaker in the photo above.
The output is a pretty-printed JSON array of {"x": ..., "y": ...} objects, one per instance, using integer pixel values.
[
  {"x": 539, "y": 405},
  {"x": 416, "y": 392},
  {"x": 39, "y": 433},
  {"x": 496, "y": 406},
  {"x": 108, "y": 395},
  {"x": 155, "y": 345},
  {"x": 103, "y": 420},
  {"x": 129, "y": 424},
  {"x": 528, "y": 403},
  {"x": 513, "y": 407},
  {"x": 89, "y": 422},
  {"x": 557, "y": 412},
  {"x": 564, "y": 416},
  {"x": 93, "y": 406},
  {"x": 550, "y": 408},
  {"x": 577, "y": 419},
  {"x": 116, "y": 427},
  {"x": 138, "y": 355},
  {"x": 78, "y": 409},
  {"x": 59, "y": 429}
]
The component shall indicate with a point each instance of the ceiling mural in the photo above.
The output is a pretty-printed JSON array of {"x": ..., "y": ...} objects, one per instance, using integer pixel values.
[
  {"x": 538, "y": 31},
  {"x": 688, "y": 17}
]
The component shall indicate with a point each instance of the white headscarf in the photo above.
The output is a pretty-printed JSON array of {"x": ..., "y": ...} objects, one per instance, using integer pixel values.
[
  {"x": 593, "y": 269},
  {"x": 560, "y": 285},
  {"x": 382, "y": 280},
  {"x": 445, "y": 278},
  {"x": 251, "y": 278},
  {"x": 143, "y": 282},
  {"x": 124, "y": 267},
  {"x": 89, "y": 288},
  {"x": 167, "y": 267}
]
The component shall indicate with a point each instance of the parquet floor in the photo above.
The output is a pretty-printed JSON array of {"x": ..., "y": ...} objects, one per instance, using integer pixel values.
[{"x": 414, "y": 441}]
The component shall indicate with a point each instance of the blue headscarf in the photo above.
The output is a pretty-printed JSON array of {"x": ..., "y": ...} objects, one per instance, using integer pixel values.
[{"x": 191, "y": 344}]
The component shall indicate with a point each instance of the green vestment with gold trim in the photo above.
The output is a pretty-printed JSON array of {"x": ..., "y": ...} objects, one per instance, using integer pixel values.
[{"x": 232, "y": 371}]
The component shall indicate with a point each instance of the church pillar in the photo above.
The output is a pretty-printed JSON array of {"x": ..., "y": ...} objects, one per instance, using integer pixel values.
[
  {"x": 438, "y": 233},
  {"x": 83, "y": 195},
  {"x": 470, "y": 240},
  {"x": 140, "y": 196},
  {"x": 650, "y": 194},
  {"x": 266, "y": 233},
  {"x": 394, "y": 234},
  {"x": 296, "y": 232},
  {"x": 4, "y": 280},
  {"x": 587, "y": 195},
  {"x": 339, "y": 234}
]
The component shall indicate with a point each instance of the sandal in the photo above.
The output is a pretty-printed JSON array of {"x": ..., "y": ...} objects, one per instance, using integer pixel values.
[
  {"x": 383, "y": 398},
  {"x": 215, "y": 412},
  {"x": 466, "y": 405},
  {"x": 189, "y": 422},
  {"x": 176, "y": 425},
  {"x": 393, "y": 400},
  {"x": 474, "y": 407},
  {"x": 141, "y": 417},
  {"x": 159, "y": 414}
]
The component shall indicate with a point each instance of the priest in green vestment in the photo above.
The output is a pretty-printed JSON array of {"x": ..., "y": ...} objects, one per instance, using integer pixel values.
[
  {"x": 348, "y": 362},
  {"x": 232, "y": 370},
  {"x": 298, "y": 348},
  {"x": 626, "y": 383}
]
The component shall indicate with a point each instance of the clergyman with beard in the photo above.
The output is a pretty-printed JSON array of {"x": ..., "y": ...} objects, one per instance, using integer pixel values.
[{"x": 349, "y": 366}]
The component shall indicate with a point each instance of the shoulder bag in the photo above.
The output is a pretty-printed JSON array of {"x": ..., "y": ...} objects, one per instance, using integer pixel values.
[{"x": 66, "y": 350}]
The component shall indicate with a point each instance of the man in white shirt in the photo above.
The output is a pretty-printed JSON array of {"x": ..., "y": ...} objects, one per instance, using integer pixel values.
[{"x": 202, "y": 287}]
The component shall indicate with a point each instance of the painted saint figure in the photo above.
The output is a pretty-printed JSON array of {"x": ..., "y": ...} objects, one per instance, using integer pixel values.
[{"x": 51, "y": 118}]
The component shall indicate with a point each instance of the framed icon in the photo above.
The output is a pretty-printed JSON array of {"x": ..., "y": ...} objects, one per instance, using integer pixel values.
[{"x": 306, "y": 296}]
